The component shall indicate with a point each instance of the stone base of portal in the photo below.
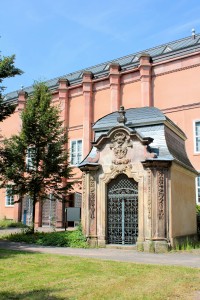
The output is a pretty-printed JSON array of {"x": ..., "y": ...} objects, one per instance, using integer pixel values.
[
  {"x": 152, "y": 246},
  {"x": 93, "y": 241}
]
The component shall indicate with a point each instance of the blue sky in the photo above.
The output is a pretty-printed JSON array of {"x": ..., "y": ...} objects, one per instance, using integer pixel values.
[{"x": 53, "y": 38}]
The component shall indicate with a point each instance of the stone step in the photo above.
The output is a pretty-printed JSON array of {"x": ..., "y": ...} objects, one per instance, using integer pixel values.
[{"x": 122, "y": 247}]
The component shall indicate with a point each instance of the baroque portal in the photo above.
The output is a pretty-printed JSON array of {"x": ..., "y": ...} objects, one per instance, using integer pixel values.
[{"x": 130, "y": 181}]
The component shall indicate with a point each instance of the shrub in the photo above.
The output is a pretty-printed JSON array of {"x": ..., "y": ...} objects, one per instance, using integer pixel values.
[
  {"x": 77, "y": 239},
  {"x": 11, "y": 224},
  {"x": 73, "y": 239},
  {"x": 198, "y": 209}
]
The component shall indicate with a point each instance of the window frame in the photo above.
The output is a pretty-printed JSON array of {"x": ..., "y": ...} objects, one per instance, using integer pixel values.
[
  {"x": 197, "y": 188},
  {"x": 195, "y": 136},
  {"x": 9, "y": 199},
  {"x": 29, "y": 158},
  {"x": 76, "y": 152}
]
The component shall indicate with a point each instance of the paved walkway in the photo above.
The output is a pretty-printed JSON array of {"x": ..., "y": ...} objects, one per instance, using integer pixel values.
[{"x": 175, "y": 259}]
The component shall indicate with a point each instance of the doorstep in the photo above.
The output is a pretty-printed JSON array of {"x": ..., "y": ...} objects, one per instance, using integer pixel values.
[{"x": 122, "y": 247}]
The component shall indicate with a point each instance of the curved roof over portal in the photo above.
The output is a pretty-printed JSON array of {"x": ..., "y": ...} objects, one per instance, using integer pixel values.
[
  {"x": 135, "y": 117},
  {"x": 168, "y": 140}
]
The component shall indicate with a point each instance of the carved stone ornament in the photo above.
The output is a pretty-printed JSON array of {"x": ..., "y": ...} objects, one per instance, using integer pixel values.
[
  {"x": 92, "y": 197},
  {"x": 119, "y": 144},
  {"x": 84, "y": 188},
  {"x": 120, "y": 168},
  {"x": 149, "y": 194},
  {"x": 161, "y": 193},
  {"x": 122, "y": 119}
]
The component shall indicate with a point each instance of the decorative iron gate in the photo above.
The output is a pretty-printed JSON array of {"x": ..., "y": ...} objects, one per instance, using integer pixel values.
[
  {"x": 49, "y": 212},
  {"x": 122, "y": 211},
  {"x": 27, "y": 210}
]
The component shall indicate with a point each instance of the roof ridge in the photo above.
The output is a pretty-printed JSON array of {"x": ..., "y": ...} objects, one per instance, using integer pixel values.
[
  {"x": 197, "y": 36},
  {"x": 131, "y": 54}
]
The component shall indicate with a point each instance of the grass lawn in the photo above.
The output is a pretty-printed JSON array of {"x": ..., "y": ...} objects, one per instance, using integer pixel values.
[{"x": 36, "y": 276}]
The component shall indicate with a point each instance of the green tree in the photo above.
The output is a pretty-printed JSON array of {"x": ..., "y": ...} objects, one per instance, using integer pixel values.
[
  {"x": 36, "y": 160},
  {"x": 7, "y": 69}
]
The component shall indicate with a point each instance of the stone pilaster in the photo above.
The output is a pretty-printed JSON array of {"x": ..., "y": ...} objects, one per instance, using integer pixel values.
[
  {"x": 92, "y": 210},
  {"x": 84, "y": 200},
  {"x": 64, "y": 100},
  {"x": 88, "y": 112},
  {"x": 156, "y": 207},
  {"x": 114, "y": 86},
  {"x": 145, "y": 79},
  {"x": 38, "y": 214},
  {"x": 63, "y": 94},
  {"x": 21, "y": 103}
]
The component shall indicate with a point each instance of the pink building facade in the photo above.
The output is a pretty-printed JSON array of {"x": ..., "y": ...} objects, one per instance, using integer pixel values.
[{"x": 165, "y": 77}]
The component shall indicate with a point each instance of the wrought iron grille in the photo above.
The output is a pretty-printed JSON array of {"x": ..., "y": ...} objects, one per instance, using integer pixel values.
[
  {"x": 49, "y": 212},
  {"x": 122, "y": 211}
]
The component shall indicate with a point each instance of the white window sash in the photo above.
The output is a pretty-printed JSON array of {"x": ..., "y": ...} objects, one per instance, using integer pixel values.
[
  {"x": 29, "y": 158},
  {"x": 198, "y": 190},
  {"x": 9, "y": 198},
  {"x": 196, "y": 131},
  {"x": 76, "y": 151}
]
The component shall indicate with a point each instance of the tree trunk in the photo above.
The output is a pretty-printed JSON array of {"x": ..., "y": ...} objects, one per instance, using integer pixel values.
[{"x": 33, "y": 214}]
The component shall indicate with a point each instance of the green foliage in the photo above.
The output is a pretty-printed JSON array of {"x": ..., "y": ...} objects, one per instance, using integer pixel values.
[
  {"x": 44, "y": 136},
  {"x": 7, "y": 69},
  {"x": 187, "y": 245},
  {"x": 74, "y": 239},
  {"x": 198, "y": 209},
  {"x": 77, "y": 239},
  {"x": 11, "y": 224}
]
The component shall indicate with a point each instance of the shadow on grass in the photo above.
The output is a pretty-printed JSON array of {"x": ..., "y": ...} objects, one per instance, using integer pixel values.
[
  {"x": 31, "y": 295},
  {"x": 7, "y": 253}
]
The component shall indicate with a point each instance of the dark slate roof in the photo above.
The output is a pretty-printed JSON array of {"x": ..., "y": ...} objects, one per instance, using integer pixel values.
[
  {"x": 135, "y": 117},
  {"x": 169, "y": 50},
  {"x": 168, "y": 139}
]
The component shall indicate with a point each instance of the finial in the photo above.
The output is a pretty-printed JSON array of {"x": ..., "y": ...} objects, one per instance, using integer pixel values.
[
  {"x": 193, "y": 33},
  {"x": 121, "y": 118}
]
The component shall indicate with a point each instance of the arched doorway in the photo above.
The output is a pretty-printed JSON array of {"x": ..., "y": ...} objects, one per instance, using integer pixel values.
[{"x": 122, "y": 211}]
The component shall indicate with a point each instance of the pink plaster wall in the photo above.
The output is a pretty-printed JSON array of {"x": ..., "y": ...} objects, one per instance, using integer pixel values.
[
  {"x": 172, "y": 86},
  {"x": 131, "y": 94},
  {"x": 76, "y": 111},
  {"x": 101, "y": 103},
  {"x": 185, "y": 119},
  {"x": 177, "y": 88}
]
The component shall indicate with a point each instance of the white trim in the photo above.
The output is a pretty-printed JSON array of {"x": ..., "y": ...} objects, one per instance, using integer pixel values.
[
  {"x": 76, "y": 152},
  {"x": 194, "y": 135},
  {"x": 29, "y": 158},
  {"x": 9, "y": 198}
]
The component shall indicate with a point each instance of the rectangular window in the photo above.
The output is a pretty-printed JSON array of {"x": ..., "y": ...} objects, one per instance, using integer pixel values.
[
  {"x": 197, "y": 136},
  {"x": 198, "y": 189},
  {"x": 30, "y": 158},
  {"x": 76, "y": 152},
  {"x": 9, "y": 196}
]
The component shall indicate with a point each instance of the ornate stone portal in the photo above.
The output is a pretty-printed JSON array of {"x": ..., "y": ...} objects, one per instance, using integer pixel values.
[{"x": 128, "y": 195}]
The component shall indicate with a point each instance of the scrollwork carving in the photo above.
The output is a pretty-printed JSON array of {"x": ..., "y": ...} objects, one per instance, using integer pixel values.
[
  {"x": 149, "y": 194},
  {"x": 161, "y": 193},
  {"x": 119, "y": 144},
  {"x": 84, "y": 188},
  {"x": 92, "y": 197}
]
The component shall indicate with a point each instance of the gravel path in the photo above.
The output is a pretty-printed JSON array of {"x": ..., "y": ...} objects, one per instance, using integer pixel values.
[{"x": 174, "y": 259}]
